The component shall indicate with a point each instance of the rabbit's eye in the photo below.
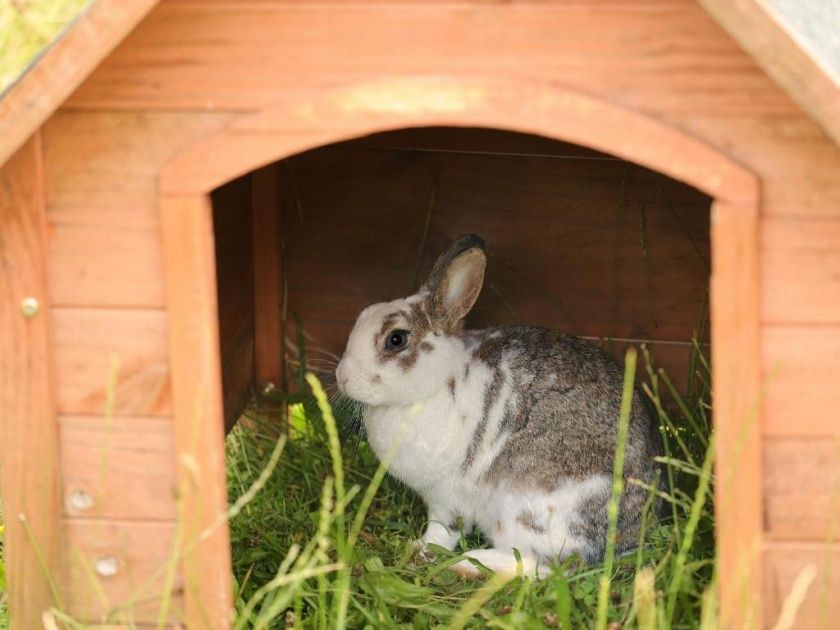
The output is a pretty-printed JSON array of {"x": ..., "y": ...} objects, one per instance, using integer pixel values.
[{"x": 396, "y": 340}]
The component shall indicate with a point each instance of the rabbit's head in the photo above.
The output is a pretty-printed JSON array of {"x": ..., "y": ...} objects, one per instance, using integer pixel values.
[{"x": 404, "y": 351}]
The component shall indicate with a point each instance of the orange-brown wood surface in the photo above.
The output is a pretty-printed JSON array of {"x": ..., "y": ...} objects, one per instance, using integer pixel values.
[
  {"x": 802, "y": 488},
  {"x": 629, "y": 246},
  {"x": 737, "y": 408},
  {"x": 785, "y": 564},
  {"x": 141, "y": 554},
  {"x": 268, "y": 274},
  {"x": 663, "y": 59},
  {"x": 124, "y": 466},
  {"x": 187, "y": 228},
  {"x": 29, "y": 447},
  {"x": 94, "y": 346}
]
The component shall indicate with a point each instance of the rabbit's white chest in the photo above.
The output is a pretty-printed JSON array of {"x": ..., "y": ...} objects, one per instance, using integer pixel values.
[{"x": 421, "y": 444}]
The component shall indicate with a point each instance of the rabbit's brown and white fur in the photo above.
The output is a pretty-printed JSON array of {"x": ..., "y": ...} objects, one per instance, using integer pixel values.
[{"x": 511, "y": 429}]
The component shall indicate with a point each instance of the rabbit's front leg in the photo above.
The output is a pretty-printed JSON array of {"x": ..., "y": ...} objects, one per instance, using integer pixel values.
[{"x": 440, "y": 531}]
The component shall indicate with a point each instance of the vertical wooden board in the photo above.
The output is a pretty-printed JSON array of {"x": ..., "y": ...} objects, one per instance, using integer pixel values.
[
  {"x": 187, "y": 227},
  {"x": 118, "y": 468},
  {"x": 135, "y": 557},
  {"x": 265, "y": 203},
  {"x": 235, "y": 282},
  {"x": 789, "y": 563},
  {"x": 800, "y": 365},
  {"x": 29, "y": 455},
  {"x": 92, "y": 346},
  {"x": 800, "y": 271},
  {"x": 802, "y": 488},
  {"x": 736, "y": 375}
]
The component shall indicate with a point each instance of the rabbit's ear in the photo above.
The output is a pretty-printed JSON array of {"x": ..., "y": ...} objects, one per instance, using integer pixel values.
[{"x": 455, "y": 281}]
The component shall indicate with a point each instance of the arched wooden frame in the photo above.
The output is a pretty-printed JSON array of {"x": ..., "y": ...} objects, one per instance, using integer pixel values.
[{"x": 314, "y": 117}]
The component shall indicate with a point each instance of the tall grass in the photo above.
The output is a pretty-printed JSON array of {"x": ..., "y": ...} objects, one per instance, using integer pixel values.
[{"x": 370, "y": 579}]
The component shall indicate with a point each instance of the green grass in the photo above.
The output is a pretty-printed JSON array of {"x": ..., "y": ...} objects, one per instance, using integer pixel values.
[
  {"x": 371, "y": 579},
  {"x": 26, "y": 28}
]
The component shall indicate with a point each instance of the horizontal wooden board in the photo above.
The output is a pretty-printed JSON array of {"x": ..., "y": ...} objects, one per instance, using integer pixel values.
[
  {"x": 118, "y": 468},
  {"x": 800, "y": 271},
  {"x": 105, "y": 266},
  {"x": 801, "y": 367},
  {"x": 89, "y": 342},
  {"x": 102, "y": 167},
  {"x": 802, "y": 487},
  {"x": 142, "y": 551},
  {"x": 598, "y": 248},
  {"x": 784, "y": 563},
  {"x": 648, "y": 58}
]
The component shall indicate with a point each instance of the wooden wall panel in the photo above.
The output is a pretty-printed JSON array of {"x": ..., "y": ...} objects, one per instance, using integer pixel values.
[
  {"x": 29, "y": 447},
  {"x": 101, "y": 188},
  {"x": 801, "y": 367},
  {"x": 802, "y": 488},
  {"x": 801, "y": 271},
  {"x": 645, "y": 57},
  {"x": 124, "y": 465},
  {"x": 142, "y": 553},
  {"x": 89, "y": 341},
  {"x": 233, "y": 236},
  {"x": 628, "y": 248},
  {"x": 784, "y": 563}
]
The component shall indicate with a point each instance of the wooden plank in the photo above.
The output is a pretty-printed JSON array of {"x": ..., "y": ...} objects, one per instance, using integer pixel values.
[
  {"x": 736, "y": 371},
  {"x": 63, "y": 66},
  {"x": 235, "y": 282},
  {"x": 118, "y": 570},
  {"x": 28, "y": 430},
  {"x": 643, "y": 57},
  {"x": 802, "y": 487},
  {"x": 761, "y": 31},
  {"x": 785, "y": 563},
  {"x": 800, "y": 271},
  {"x": 102, "y": 166},
  {"x": 105, "y": 266},
  {"x": 265, "y": 204},
  {"x": 89, "y": 343},
  {"x": 798, "y": 365},
  {"x": 189, "y": 254},
  {"x": 118, "y": 468}
]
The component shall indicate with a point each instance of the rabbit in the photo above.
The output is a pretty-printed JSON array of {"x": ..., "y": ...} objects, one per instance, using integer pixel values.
[{"x": 511, "y": 430}]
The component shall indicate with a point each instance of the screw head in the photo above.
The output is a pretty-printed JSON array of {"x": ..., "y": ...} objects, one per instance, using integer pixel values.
[
  {"x": 29, "y": 307},
  {"x": 80, "y": 500},
  {"x": 106, "y": 566}
]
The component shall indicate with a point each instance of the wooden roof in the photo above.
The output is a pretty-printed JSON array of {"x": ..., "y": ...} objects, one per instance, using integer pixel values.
[{"x": 755, "y": 24}]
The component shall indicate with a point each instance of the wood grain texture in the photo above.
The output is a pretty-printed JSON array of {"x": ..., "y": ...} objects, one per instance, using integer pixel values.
[
  {"x": 94, "y": 345},
  {"x": 304, "y": 120},
  {"x": 800, "y": 271},
  {"x": 125, "y": 465},
  {"x": 785, "y": 563},
  {"x": 762, "y": 33},
  {"x": 268, "y": 274},
  {"x": 737, "y": 405},
  {"x": 63, "y": 66},
  {"x": 802, "y": 488},
  {"x": 618, "y": 47},
  {"x": 235, "y": 284},
  {"x": 800, "y": 365},
  {"x": 142, "y": 552},
  {"x": 187, "y": 228},
  {"x": 28, "y": 429}
]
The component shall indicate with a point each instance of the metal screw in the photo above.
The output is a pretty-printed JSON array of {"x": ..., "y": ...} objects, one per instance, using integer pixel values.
[
  {"x": 29, "y": 307},
  {"x": 267, "y": 389},
  {"x": 80, "y": 500},
  {"x": 106, "y": 566}
]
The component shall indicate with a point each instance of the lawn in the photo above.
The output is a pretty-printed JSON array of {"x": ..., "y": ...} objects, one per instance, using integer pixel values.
[{"x": 301, "y": 560}]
